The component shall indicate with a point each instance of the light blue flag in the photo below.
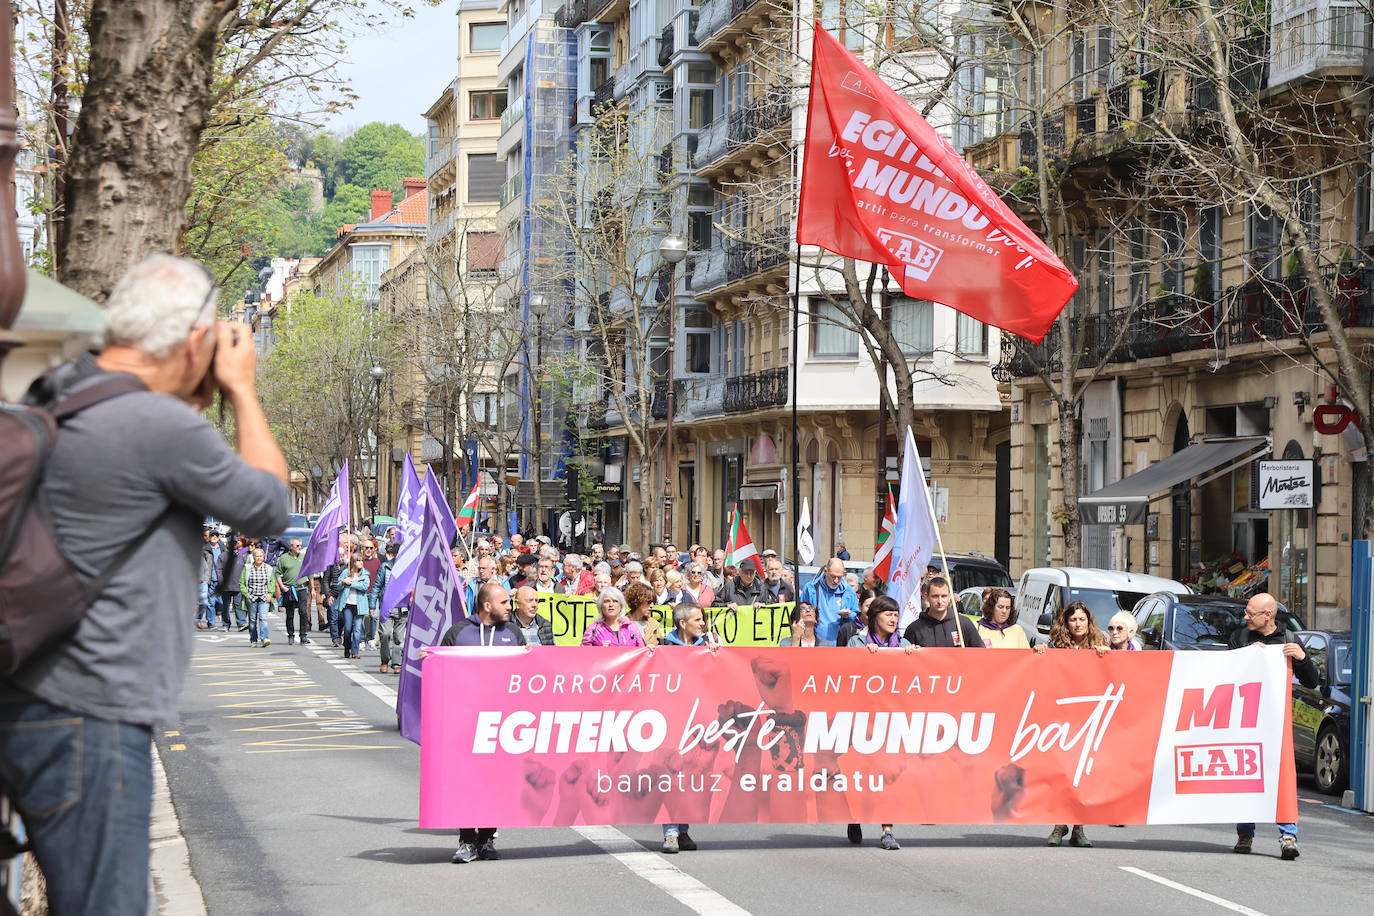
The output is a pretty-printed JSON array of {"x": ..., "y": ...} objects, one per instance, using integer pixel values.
[{"x": 915, "y": 536}]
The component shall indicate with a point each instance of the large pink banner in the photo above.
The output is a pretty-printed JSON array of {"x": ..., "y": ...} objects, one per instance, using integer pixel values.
[{"x": 559, "y": 736}]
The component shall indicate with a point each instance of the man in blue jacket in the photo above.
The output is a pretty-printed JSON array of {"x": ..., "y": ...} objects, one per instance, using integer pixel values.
[{"x": 835, "y": 601}]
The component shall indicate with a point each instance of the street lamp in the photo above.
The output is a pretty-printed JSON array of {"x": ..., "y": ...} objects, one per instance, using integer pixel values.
[
  {"x": 377, "y": 373},
  {"x": 672, "y": 250},
  {"x": 539, "y": 307}
]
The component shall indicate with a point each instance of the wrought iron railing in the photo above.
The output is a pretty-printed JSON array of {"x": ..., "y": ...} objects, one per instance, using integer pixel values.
[
  {"x": 665, "y": 45},
  {"x": 603, "y": 94},
  {"x": 572, "y": 14},
  {"x": 744, "y": 259},
  {"x": 658, "y": 406},
  {"x": 1054, "y": 139},
  {"x": 745, "y": 124},
  {"x": 1259, "y": 311},
  {"x": 758, "y": 391}
]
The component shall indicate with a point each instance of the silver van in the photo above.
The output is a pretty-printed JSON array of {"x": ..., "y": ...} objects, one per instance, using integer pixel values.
[{"x": 1044, "y": 590}]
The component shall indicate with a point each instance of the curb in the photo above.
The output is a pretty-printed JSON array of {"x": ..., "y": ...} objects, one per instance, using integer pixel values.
[{"x": 175, "y": 888}]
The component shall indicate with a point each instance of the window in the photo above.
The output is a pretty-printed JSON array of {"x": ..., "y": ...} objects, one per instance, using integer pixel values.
[
  {"x": 700, "y": 107},
  {"x": 970, "y": 336},
  {"x": 484, "y": 250},
  {"x": 737, "y": 348},
  {"x": 699, "y": 332},
  {"x": 369, "y": 262},
  {"x": 1262, "y": 243},
  {"x": 1171, "y": 229},
  {"x": 913, "y": 324},
  {"x": 485, "y": 407},
  {"x": 486, "y": 105},
  {"x": 486, "y": 36},
  {"x": 1138, "y": 280},
  {"x": 485, "y": 177},
  {"x": 1209, "y": 246},
  {"x": 832, "y": 332},
  {"x": 436, "y": 138},
  {"x": 1106, "y": 286},
  {"x": 1307, "y": 201}
]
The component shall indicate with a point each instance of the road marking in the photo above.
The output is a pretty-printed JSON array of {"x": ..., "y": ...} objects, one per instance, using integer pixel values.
[
  {"x": 653, "y": 868},
  {"x": 364, "y": 680},
  {"x": 1192, "y": 891},
  {"x": 172, "y": 734},
  {"x": 176, "y": 747}
]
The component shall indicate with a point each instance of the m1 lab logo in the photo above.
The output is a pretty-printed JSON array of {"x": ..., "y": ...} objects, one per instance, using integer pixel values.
[
  {"x": 919, "y": 256},
  {"x": 1221, "y": 767}
]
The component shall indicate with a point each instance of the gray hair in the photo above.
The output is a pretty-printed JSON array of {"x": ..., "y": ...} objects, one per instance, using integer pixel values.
[
  {"x": 602, "y": 567},
  {"x": 611, "y": 594},
  {"x": 696, "y": 566},
  {"x": 548, "y": 552},
  {"x": 574, "y": 559},
  {"x": 634, "y": 566},
  {"x": 681, "y": 611},
  {"x": 158, "y": 303}
]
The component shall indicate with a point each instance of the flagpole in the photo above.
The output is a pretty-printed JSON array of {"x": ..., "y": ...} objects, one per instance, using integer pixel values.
[{"x": 796, "y": 322}]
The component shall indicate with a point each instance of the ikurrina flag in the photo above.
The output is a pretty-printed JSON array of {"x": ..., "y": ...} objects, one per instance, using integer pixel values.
[
  {"x": 739, "y": 546},
  {"x": 880, "y": 185},
  {"x": 468, "y": 513},
  {"x": 882, "y": 560}
]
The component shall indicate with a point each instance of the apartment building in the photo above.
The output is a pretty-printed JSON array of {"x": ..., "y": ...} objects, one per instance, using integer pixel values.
[{"x": 1200, "y": 352}]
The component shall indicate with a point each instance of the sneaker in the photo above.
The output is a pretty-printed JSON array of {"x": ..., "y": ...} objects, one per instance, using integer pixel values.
[
  {"x": 888, "y": 841},
  {"x": 290, "y": 640},
  {"x": 855, "y": 834},
  {"x": 1243, "y": 844},
  {"x": 253, "y": 644},
  {"x": 488, "y": 851},
  {"x": 304, "y": 641},
  {"x": 670, "y": 845},
  {"x": 242, "y": 629},
  {"x": 1080, "y": 839},
  {"x": 686, "y": 843},
  {"x": 1057, "y": 835},
  {"x": 1288, "y": 848},
  {"x": 465, "y": 853},
  {"x": 266, "y": 643},
  {"x": 337, "y": 644}
]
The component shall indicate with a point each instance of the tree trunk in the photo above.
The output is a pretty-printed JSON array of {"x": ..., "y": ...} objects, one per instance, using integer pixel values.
[
  {"x": 148, "y": 94},
  {"x": 1069, "y": 425},
  {"x": 646, "y": 496}
]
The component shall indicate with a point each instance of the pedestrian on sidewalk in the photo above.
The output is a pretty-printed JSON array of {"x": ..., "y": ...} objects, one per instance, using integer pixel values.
[
  {"x": 1261, "y": 628},
  {"x": 257, "y": 584},
  {"x": 87, "y": 706},
  {"x": 231, "y": 600}
]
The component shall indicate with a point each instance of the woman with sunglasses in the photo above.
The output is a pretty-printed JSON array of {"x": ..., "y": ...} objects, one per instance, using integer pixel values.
[
  {"x": 1121, "y": 632},
  {"x": 696, "y": 588}
]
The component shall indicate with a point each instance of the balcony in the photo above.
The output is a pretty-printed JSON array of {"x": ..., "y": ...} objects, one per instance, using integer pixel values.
[
  {"x": 745, "y": 259},
  {"x": 1249, "y": 74},
  {"x": 439, "y": 229},
  {"x": 664, "y": 164},
  {"x": 665, "y": 46},
  {"x": 711, "y": 143},
  {"x": 624, "y": 78},
  {"x": 709, "y": 272},
  {"x": 512, "y": 189},
  {"x": 514, "y": 112},
  {"x": 1317, "y": 39},
  {"x": 572, "y": 14},
  {"x": 746, "y": 124},
  {"x": 440, "y": 156},
  {"x": 1261, "y": 311},
  {"x": 758, "y": 391},
  {"x": 603, "y": 95},
  {"x": 658, "y": 407},
  {"x": 731, "y": 18},
  {"x": 711, "y": 18}
]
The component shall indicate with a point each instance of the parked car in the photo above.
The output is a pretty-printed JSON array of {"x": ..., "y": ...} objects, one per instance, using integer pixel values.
[
  {"x": 976, "y": 570},
  {"x": 1044, "y": 590},
  {"x": 1168, "y": 620},
  {"x": 1321, "y": 715},
  {"x": 297, "y": 520},
  {"x": 312, "y": 519},
  {"x": 971, "y": 606}
]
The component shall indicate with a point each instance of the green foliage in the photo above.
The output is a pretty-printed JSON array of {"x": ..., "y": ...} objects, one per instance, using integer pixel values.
[{"x": 379, "y": 155}]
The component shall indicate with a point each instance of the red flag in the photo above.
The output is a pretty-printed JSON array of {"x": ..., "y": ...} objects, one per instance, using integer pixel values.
[
  {"x": 881, "y": 185},
  {"x": 882, "y": 559}
]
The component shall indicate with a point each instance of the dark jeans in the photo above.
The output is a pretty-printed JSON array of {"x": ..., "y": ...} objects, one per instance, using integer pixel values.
[
  {"x": 292, "y": 604},
  {"x": 476, "y": 835},
  {"x": 233, "y": 603},
  {"x": 84, "y": 788},
  {"x": 335, "y": 612}
]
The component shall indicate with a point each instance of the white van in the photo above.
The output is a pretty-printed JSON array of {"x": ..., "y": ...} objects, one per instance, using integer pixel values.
[{"x": 1045, "y": 590}]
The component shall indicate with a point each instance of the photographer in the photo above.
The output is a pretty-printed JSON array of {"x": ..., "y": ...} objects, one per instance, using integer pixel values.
[{"x": 144, "y": 462}]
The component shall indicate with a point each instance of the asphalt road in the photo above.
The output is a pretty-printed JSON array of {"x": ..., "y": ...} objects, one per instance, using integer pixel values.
[{"x": 296, "y": 795}]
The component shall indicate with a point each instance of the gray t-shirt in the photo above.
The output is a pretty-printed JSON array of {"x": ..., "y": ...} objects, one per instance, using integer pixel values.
[{"x": 116, "y": 466}]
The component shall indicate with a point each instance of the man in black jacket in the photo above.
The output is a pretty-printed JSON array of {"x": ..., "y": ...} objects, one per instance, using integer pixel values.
[
  {"x": 746, "y": 588},
  {"x": 1262, "y": 628},
  {"x": 939, "y": 624}
]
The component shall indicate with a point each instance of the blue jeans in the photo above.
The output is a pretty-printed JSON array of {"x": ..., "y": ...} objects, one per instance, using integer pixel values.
[
  {"x": 353, "y": 617},
  {"x": 257, "y": 620},
  {"x": 335, "y": 613},
  {"x": 674, "y": 829},
  {"x": 233, "y": 601},
  {"x": 84, "y": 788},
  {"x": 208, "y": 612},
  {"x": 1284, "y": 830}
]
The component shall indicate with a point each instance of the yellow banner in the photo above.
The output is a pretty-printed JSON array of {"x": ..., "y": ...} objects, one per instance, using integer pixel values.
[{"x": 751, "y": 625}]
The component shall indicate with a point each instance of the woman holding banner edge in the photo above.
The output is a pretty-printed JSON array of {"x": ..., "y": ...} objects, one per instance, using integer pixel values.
[
  {"x": 613, "y": 628},
  {"x": 1074, "y": 628},
  {"x": 689, "y": 629}
]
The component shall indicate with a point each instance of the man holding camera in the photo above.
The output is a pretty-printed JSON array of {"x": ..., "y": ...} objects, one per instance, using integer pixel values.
[{"x": 76, "y": 722}]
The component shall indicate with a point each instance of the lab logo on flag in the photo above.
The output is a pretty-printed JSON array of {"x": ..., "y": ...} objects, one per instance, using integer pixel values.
[{"x": 919, "y": 256}]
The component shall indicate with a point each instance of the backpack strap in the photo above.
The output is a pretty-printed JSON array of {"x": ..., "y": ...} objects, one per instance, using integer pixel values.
[{"x": 112, "y": 385}]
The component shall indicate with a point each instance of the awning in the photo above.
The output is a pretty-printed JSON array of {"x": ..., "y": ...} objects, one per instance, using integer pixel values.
[
  {"x": 759, "y": 491},
  {"x": 1127, "y": 501}
]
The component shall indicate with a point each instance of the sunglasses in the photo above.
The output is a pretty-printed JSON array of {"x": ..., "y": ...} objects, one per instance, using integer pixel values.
[{"x": 1114, "y": 629}]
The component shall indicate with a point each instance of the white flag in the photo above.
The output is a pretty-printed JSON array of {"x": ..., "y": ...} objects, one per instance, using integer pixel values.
[
  {"x": 915, "y": 537},
  {"x": 806, "y": 546}
]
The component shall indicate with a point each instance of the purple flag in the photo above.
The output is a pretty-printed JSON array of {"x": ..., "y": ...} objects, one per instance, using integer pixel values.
[
  {"x": 436, "y": 499},
  {"x": 438, "y": 604},
  {"x": 410, "y": 517},
  {"x": 323, "y": 548}
]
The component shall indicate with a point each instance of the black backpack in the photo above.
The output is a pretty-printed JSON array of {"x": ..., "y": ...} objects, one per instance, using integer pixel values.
[{"x": 42, "y": 597}]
